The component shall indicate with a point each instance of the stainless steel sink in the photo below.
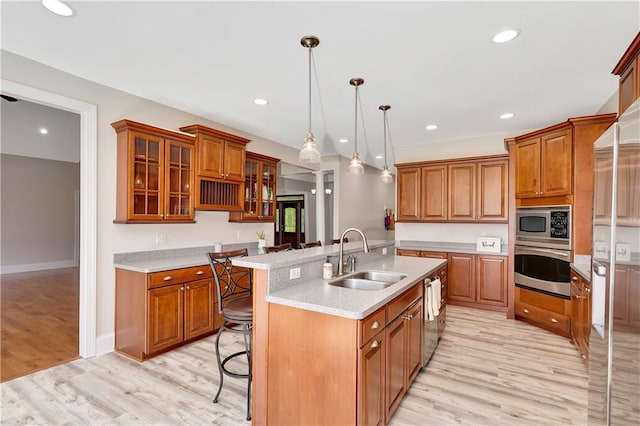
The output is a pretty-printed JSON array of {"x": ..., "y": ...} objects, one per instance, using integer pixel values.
[
  {"x": 360, "y": 284},
  {"x": 369, "y": 280},
  {"x": 385, "y": 276}
]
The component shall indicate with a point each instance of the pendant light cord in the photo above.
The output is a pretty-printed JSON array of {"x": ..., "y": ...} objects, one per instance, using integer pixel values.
[
  {"x": 309, "y": 90},
  {"x": 385, "y": 138},
  {"x": 355, "y": 135}
]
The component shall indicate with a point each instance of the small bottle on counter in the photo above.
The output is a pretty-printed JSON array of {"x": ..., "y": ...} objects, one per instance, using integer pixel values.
[{"x": 327, "y": 270}]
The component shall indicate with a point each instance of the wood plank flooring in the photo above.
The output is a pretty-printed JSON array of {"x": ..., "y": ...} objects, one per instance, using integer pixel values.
[
  {"x": 486, "y": 371},
  {"x": 38, "y": 320}
]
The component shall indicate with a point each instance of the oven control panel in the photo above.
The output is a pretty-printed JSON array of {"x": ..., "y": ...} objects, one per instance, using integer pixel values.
[{"x": 559, "y": 224}]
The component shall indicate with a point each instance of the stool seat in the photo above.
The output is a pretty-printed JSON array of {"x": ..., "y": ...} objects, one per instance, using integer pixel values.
[{"x": 240, "y": 309}]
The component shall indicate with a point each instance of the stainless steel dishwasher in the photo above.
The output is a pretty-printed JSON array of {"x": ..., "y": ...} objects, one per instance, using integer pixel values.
[{"x": 430, "y": 329}]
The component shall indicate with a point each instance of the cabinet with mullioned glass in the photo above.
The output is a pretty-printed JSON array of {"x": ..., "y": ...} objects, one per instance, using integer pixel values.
[
  {"x": 259, "y": 202},
  {"x": 155, "y": 174}
]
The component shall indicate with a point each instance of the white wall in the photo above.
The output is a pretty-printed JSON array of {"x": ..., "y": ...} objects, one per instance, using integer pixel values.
[{"x": 114, "y": 105}]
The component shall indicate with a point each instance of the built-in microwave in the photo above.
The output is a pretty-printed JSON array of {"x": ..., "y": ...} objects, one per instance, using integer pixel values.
[{"x": 544, "y": 226}]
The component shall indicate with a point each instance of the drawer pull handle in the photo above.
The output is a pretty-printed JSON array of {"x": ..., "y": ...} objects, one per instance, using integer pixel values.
[
  {"x": 188, "y": 287},
  {"x": 525, "y": 310},
  {"x": 375, "y": 325},
  {"x": 574, "y": 278},
  {"x": 580, "y": 297},
  {"x": 181, "y": 288},
  {"x": 375, "y": 344},
  {"x": 588, "y": 290},
  {"x": 200, "y": 272},
  {"x": 407, "y": 317},
  {"x": 168, "y": 278},
  {"x": 553, "y": 320}
]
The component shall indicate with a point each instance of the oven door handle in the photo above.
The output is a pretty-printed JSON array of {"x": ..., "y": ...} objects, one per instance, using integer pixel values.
[{"x": 556, "y": 254}]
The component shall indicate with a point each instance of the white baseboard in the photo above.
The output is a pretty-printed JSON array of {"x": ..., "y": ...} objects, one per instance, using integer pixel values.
[
  {"x": 105, "y": 343},
  {"x": 30, "y": 267}
]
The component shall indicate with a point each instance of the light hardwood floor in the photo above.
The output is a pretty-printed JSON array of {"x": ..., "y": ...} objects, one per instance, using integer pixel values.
[
  {"x": 39, "y": 320},
  {"x": 486, "y": 371}
]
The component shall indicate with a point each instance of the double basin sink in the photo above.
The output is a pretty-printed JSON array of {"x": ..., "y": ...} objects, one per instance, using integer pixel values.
[{"x": 368, "y": 280}]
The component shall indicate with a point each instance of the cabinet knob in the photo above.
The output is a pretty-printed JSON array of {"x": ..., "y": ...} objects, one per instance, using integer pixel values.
[
  {"x": 200, "y": 272},
  {"x": 181, "y": 288},
  {"x": 553, "y": 320},
  {"x": 375, "y": 325},
  {"x": 587, "y": 289},
  {"x": 525, "y": 310},
  {"x": 375, "y": 344},
  {"x": 167, "y": 278},
  {"x": 188, "y": 287},
  {"x": 574, "y": 278}
]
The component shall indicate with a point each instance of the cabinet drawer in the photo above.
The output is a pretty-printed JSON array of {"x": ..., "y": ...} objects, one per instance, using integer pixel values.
[
  {"x": 405, "y": 252},
  {"x": 372, "y": 325},
  {"x": 541, "y": 300},
  {"x": 552, "y": 320},
  {"x": 174, "y": 276},
  {"x": 396, "y": 306}
]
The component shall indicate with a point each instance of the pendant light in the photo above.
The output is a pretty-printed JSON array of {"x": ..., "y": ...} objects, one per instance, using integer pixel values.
[
  {"x": 309, "y": 152},
  {"x": 355, "y": 166},
  {"x": 385, "y": 176}
]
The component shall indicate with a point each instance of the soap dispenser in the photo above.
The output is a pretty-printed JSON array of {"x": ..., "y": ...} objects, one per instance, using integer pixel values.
[{"x": 327, "y": 270}]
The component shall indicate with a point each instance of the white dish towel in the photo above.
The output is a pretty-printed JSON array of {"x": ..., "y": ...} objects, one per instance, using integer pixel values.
[
  {"x": 436, "y": 289},
  {"x": 428, "y": 297}
]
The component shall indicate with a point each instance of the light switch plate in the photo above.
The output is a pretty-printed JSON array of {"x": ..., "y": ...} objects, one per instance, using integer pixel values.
[{"x": 294, "y": 273}]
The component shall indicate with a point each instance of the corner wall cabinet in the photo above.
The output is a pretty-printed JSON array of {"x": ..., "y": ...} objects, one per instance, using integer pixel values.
[
  {"x": 158, "y": 311},
  {"x": 454, "y": 190},
  {"x": 580, "y": 313},
  {"x": 154, "y": 174},
  {"x": 628, "y": 68},
  {"x": 219, "y": 169},
  {"x": 259, "y": 201}
]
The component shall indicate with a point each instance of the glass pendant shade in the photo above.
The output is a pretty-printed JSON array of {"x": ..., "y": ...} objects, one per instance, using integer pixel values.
[
  {"x": 386, "y": 176},
  {"x": 309, "y": 152},
  {"x": 355, "y": 165}
]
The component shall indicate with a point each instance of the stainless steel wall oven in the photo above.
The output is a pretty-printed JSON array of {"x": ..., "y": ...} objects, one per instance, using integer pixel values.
[{"x": 543, "y": 249}]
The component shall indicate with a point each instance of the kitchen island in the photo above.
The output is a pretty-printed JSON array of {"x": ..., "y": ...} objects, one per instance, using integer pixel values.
[{"x": 325, "y": 354}]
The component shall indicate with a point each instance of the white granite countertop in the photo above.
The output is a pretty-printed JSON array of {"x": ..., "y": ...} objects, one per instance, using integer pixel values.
[
  {"x": 582, "y": 269},
  {"x": 320, "y": 296}
]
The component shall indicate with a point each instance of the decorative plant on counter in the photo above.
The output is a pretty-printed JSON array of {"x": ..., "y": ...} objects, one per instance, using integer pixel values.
[
  {"x": 261, "y": 235},
  {"x": 262, "y": 241}
]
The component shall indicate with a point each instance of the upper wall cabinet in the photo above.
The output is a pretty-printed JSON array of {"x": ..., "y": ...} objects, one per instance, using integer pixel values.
[
  {"x": 260, "y": 176},
  {"x": 628, "y": 68},
  {"x": 463, "y": 190},
  {"x": 155, "y": 174},
  {"x": 543, "y": 165},
  {"x": 219, "y": 169}
]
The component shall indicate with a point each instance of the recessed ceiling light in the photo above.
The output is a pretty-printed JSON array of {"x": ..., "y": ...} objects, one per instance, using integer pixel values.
[
  {"x": 507, "y": 115},
  {"x": 431, "y": 127},
  {"x": 260, "y": 101},
  {"x": 57, "y": 7},
  {"x": 379, "y": 157},
  {"x": 43, "y": 131},
  {"x": 506, "y": 35},
  {"x": 343, "y": 140}
]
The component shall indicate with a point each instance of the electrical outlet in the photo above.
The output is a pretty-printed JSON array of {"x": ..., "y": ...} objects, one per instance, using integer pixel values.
[
  {"x": 161, "y": 239},
  {"x": 294, "y": 273},
  {"x": 384, "y": 250}
]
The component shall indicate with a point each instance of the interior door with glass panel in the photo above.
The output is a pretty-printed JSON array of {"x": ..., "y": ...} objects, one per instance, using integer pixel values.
[{"x": 289, "y": 223}]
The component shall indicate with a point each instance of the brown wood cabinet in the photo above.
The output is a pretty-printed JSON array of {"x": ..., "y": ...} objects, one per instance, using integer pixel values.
[
  {"x": 478, "y": 281},
  {"x": 161, "y": 310},
  {"x": 628, "y": 68},
  {"x": 154, "y": 174},
  {"x": 261, "y": 174},
  {"x": 548, "y": 312},
  {"x": 554, "y": 166},
  {"x": 381, "y": 353},
  {"x": 580, "y": 314},
  {"x": 460, "y": 190},
  {"x": 219, "y": 169},
  {"x": 543, "y": 165}
]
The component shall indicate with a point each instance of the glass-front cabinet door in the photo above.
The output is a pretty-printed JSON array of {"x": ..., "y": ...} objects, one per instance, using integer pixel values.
[
  {"x": 179, "y": 169},
  {"x": 267, "y": 205},
  {"x": 251, "y": 186},
  {"x": 260, "y": 176},
  {"x": 145, "y": 193}
]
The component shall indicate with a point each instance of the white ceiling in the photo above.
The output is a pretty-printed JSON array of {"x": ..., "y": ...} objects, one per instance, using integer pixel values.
[{"x": 433, "y": 62}]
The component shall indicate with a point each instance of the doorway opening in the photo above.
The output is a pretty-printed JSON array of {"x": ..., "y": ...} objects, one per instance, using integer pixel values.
[{"x": 289, "y": 224}]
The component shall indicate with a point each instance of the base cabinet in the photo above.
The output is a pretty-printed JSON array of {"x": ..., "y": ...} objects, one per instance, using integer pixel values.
[
  {"x": 548, "y": 312},
  {"x": 381, "y": 354},
  {"x": 626, "y": 295},
  {"x": 580, "y": 314},
  {"x": 478, "y": 281},
  {"x": 161, "y": 310}
]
